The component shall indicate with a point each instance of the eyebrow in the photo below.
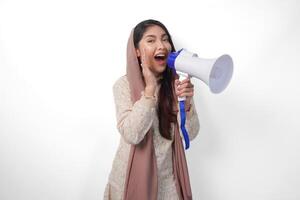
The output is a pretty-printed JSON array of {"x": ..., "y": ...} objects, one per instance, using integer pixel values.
[{"x": 163, "y": 35}]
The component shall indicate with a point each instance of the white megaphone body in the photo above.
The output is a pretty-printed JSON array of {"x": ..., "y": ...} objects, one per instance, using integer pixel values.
[{"x": 216, "y": 73}]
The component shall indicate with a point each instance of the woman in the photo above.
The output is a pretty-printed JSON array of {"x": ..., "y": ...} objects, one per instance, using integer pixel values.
[{"x": 150, "y": 160}]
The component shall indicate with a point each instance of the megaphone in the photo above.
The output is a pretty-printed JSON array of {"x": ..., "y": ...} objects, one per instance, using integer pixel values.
[{"x": 216, "y": 73}]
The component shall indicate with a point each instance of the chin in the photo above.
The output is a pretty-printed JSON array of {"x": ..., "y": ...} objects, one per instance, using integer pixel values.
[{"x": 161, "y": 68}]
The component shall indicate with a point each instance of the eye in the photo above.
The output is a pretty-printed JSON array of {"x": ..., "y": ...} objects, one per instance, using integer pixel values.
[
  {"x": 150, "y": 41},
  {"x": 166, "y": 39}
]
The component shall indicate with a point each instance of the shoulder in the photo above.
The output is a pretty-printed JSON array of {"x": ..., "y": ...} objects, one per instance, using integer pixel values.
[{"x": 121, "y": 83}]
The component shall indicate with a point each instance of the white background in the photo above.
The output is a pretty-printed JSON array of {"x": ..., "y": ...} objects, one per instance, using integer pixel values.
[{"x": 60, "y": 58}]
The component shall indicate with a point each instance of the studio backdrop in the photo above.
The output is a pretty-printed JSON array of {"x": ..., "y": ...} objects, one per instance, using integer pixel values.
[{"x": 59, "y": 60}]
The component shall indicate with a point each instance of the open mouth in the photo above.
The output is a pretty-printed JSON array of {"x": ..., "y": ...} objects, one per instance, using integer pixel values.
[{"x": 160, "y": 58}]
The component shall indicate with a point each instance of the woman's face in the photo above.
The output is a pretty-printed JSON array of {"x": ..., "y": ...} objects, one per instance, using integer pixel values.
[{"x": 156, "y": 46}]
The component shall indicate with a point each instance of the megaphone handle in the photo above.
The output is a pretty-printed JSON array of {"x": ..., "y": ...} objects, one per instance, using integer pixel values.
[{"x": 182, "y": 76}]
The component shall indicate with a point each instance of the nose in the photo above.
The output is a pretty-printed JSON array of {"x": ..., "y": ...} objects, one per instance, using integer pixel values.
[{"x": 160, "y": 45}]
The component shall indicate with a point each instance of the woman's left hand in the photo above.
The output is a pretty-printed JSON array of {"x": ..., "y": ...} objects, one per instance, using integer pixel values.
[{"x": 185, "y": 88}]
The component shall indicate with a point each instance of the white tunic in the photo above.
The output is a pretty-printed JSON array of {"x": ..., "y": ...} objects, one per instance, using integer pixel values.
[{"x": 133, "y": 122}]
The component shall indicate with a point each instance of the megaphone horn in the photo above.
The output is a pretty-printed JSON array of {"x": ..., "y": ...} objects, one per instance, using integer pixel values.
[{"x": 216, "y": 73}]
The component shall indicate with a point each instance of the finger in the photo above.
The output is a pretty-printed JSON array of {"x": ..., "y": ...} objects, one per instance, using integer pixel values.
[
  {"x": 185, "y": 80},
  {"x": 143, "y": 55},
  {"x": 144, "y": 58},
  {"x": 177, "y": 91},
  {"x": 186, "y": 85},
  {"x": 177, "y": 82},
  {"x": 186, "y": 94},
  {"x": 177, "y": 88},
  {"x": 186, "y": 90}
]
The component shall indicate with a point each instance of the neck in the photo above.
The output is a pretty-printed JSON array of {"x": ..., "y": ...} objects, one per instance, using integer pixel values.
[{"x": 159, "y": 77}]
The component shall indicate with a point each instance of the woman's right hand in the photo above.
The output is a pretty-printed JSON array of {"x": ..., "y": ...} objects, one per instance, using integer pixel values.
[{"x": 149, "y": 77}]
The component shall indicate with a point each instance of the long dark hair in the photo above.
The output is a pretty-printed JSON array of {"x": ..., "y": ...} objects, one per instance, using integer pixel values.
[{"x": 166, "y": 99}]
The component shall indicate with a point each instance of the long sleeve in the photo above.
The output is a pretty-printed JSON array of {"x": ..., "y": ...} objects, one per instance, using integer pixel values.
[
  {"x": 133, "y": 120},
  {"x": 192, "y": 124}
]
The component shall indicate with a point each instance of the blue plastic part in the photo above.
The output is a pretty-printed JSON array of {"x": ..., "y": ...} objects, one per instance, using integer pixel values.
[
  {"x": 171, "y": 59},
  {"x": 182, "y": 125}
]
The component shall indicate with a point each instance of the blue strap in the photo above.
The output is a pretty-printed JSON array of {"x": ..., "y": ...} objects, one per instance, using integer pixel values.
[{"x": 182, "y": 124}]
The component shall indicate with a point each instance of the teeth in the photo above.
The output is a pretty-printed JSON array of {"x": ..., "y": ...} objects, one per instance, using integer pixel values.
[{"x": 160, "y": 55}]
